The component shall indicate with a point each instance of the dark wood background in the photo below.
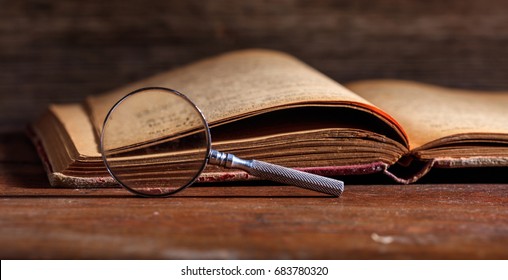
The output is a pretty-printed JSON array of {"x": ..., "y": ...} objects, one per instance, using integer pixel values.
[{"x": 60, "y": 51}]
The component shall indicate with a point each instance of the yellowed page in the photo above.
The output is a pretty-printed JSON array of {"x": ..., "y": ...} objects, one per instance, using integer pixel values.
[
  {"x": 429, "y": 113},
  {"x": 238, "y": 84},
  {"x": 75, "y": 121}
]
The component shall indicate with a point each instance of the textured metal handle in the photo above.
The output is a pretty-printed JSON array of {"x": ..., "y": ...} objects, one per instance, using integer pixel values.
[
  {"x": 297, "y": 178},
  {"x": 279, "y": 174}
]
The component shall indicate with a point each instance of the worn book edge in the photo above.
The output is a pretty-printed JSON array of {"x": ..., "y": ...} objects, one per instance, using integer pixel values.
[
  {"x": 406, "y": 174},
  {"x": 60, "y": 179}
]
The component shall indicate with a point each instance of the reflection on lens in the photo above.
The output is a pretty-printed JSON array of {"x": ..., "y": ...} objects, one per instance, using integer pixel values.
[{"x": 155, "y": 141}]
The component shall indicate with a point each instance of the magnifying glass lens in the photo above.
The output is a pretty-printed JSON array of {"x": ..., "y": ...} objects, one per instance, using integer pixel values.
[{"x": 155, "y": 142}]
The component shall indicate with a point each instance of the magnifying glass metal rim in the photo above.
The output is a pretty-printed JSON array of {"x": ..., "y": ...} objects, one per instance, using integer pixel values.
[{"x": 207, "y": 136}]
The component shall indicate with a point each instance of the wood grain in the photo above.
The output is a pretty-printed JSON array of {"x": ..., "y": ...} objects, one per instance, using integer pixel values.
[
  {"x": 60, "y": 51},
  {"x": 427, "y": 221}
]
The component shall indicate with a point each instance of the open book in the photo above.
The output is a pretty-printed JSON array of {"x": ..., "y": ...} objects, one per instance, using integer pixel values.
[{"x": 270, "y": 106}]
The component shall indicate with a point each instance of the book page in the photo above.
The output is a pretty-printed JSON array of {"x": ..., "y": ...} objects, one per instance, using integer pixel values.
[
  {"x": 429, "y": 113},
  {"x": 150, "y": 117},
  {"x": 74, "y": 119},
  {"x": 237, "y": 84}
]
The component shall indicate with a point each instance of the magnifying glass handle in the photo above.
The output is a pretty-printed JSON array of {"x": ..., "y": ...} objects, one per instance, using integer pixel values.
[{"x": 278, "y": 173}]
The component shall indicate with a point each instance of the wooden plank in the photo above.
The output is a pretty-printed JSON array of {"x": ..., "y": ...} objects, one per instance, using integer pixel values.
[
  {"x": 425, "y": 221},
  {"x": 61, "y": 51}
]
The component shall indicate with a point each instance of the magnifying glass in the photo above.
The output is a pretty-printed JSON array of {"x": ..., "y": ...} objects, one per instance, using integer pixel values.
[{"x": 156, "y": 141}]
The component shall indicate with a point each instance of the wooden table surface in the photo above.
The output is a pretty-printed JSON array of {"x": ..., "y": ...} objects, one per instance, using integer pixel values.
[{"x": 246, "y": 221}]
